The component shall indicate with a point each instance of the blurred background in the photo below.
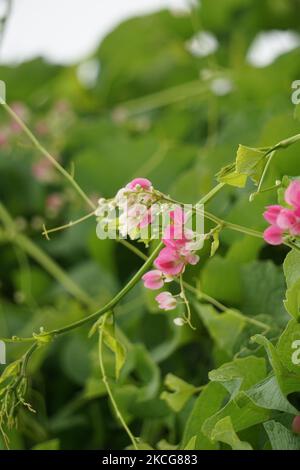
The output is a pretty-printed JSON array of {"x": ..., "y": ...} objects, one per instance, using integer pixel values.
[{"x": 114, "y": 90}]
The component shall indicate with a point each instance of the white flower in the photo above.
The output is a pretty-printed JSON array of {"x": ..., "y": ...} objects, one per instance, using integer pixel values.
[{"x": 179, "y": 321}]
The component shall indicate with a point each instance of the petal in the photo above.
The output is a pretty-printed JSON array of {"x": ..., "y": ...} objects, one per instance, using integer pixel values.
[
  {"x": 273, "y": 235},
  {"x": 272, "y": 213},
  {"x": 292, "y": 194},
  {"x": 142, "y": 182}
]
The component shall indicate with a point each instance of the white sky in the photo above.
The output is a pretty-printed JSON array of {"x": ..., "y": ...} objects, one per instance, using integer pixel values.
[{"x": 65, "y": 31}]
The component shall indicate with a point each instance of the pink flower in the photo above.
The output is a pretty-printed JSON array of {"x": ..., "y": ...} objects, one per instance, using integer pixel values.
[
  {"x": 142, "y": 182},
  {"x": 42, "y": 128},
  {"x": 296, "y": 425},
  {"x": 192, "y": 259},
  {"x": 286, "y": 219},
  {"x": 174, "y": 236},
  {"x": 295, "y": 229},
  {"x": 166, "y": 301},
  {"x": 153, "y": 279},
  {"x": 273, "y": 235},
  {"x": 4, "y": 134},
  {"x": 169, "y": 262},
  {"x": 146, "y": 220},
  {"x": 178, "y": 216},
  {"x": 54, "y": 202},
  {"x": 292, "y": 194},
  {"x": 272, "y": 213},
  {"x": 22, "y": 111},
  {"x": 42, "y": 170}
]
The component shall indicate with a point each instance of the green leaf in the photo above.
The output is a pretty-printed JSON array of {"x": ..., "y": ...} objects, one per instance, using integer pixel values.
[
  {"x": 288, "y": 347},
  {"x": 224, "y": 432},
  {"x": 287, "y": 381},
  {"x": 53, "y": 444},
  {"x": 229, "y": 175},
  {"x": 224, "y": 327},
  {"x": 240, "y": 374},
  {"x": 268, "y": 394},
  {"x": 263, "y": 287},
  {"x": 11, "y": 370},
  {"x": 249, "y": 163},
  {"x": 181, "y": 392},
  {"x": 292, "y": 301},
  {"x": 208, "y": 403},
  {"x": 112, "y": 342},
  {"x": 243, "y": 412},
  {"x": 215, "y": 243},
  {"x": 216, "y": 271},
  {"x": 191, "y": 444},
  {"x": 280, "y": 437},
  {"x": 291, "y": 267},
  {"x": 165, "y": 445}
]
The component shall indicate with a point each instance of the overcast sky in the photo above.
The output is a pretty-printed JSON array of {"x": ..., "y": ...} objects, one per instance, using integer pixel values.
[{"x": 67, "y": 30}]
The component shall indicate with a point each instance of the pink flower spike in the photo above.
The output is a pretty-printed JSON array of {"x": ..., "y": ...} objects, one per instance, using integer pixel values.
[
  {"x": 142, "y": 182},
  {"x": 153, "y": 279},
  {"x": 166, "y": 301},
  {"x": 169, "y": 262},
  {"x": 273, "y": 235},
  {"x": 272, "y": 213},
  {"x": 178, "y": 215},
  {"x": 286, "y": 219},
  {"x": 174, "y": 236},
  {"x": 292, "y": 194}
]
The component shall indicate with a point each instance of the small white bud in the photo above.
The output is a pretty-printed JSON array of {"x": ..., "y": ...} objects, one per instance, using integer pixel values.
[{"x": 178, "y": 321}]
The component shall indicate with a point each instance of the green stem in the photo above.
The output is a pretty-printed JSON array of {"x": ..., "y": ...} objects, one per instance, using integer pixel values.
[
  {"x": 68, "y": 225},
  {"x": 26, "y": 358},
  {"x": 41, "y": 257},
  {"x": 110, "y": 305},
  {"x": 201, "y": 295},
  {"x": 188, "y": 317},
  {"x": 110, "y": 394},
  {"x": 211, "y": 193},
  {"x": 269, "y": 159},
  {"x": 250, "y": 320},
  {"x": 163, "y": 98},
  {"x": 42, "y": 149},
  {"x": 283, "y": 144}
]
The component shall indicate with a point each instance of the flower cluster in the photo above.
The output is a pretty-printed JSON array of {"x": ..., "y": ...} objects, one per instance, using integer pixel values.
[
  {"x": 136, "y": 207},
  {"x": 131, "y": 210},
  {"x": 284, "y": 220},
  {"x": 178, "y": 252}
]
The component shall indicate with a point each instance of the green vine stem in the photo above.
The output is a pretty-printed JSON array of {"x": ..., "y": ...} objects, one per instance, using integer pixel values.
[
  {"x": 109, "y": 391},
  {"x": 45, "y": 152},
  {"x": 41, "y": 257}
]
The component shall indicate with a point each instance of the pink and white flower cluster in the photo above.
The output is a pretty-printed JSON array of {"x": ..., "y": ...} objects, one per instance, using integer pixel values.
[
  {"x": 136, "y": 207},
  {"x": 133, "y": 208},
  {"x": 285, "y": 221},
  {"x": 179, "y": 251}
]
